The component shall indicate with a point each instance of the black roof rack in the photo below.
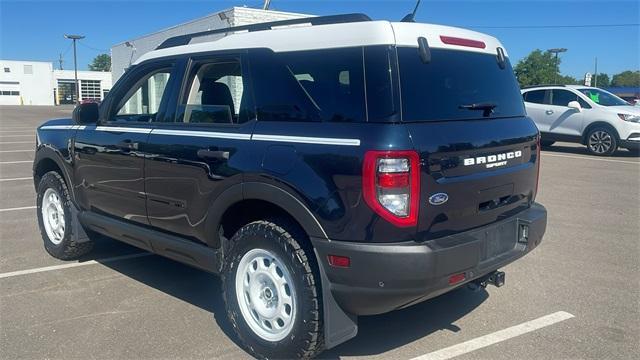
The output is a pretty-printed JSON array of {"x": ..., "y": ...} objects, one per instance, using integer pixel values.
[
  {"x": 541, "y": 85},
  {"x": 317, "y": 20}
]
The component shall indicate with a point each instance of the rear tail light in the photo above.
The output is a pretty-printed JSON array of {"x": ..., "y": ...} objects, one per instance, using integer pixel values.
[{"x": 391, "y": 185}]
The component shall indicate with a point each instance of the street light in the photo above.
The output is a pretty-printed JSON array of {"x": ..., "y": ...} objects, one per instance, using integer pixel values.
[
  {"x": 75, "y": 38},
  {"x": 557, "y": 51}
]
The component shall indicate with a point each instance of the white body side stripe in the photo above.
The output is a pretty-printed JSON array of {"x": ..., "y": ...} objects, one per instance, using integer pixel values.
[
  {"x": 215, "y": 135},
  {"x": 58, "y": 127},
  {"x": 123, "y": 129},
  {"x": 208, "y": 134},
  {"x": 307, "y": 140}
]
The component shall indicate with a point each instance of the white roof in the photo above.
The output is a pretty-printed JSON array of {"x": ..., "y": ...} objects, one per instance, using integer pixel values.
[{"x": 307, "y": 37}]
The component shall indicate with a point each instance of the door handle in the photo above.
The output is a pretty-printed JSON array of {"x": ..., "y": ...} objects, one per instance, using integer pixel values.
[
  {"x": 213, "y": 155},
  {"x": 549, "y": 112},
  {"x": 127, "y": 145}
]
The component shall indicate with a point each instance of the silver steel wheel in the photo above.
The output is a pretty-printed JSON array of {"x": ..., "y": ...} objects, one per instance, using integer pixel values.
[
  {"x": 600, "y": 142},
  {"x": 53, "y": 216},
  {"x": 266, "y": 294}
]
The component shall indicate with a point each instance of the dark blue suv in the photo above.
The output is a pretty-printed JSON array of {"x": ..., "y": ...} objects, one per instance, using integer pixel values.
[{"x": 335, "y": 168}]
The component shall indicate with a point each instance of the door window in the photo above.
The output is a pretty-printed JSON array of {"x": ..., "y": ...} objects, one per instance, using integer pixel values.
[
  {"x": 562, "y": 97},
  {"x": 215, "y": 94},
  {"x": 143, "y": 101},
  {"x": 535, "y": 96}
]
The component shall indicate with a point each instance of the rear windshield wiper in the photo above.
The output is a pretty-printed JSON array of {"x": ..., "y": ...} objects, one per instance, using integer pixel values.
[{"x": 486, "y": 107}]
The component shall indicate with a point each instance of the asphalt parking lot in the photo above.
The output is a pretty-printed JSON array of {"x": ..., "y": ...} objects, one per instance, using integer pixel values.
[{"x": 576, "y": 296}]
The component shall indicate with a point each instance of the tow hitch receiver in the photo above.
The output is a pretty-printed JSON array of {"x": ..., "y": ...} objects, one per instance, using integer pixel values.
[{"x": 495, "y": 278}]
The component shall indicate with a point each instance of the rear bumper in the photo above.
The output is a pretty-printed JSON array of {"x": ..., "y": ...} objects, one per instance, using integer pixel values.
[{"x": 385, "y": 277}]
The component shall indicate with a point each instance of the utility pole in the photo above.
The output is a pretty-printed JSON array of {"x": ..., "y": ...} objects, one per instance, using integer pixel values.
[
  {"x": 60, "y": 60},
  {"x": 557, "y": 51},
  {"x": 75, "y": 38},
  {"x": 595, "y": 83}
]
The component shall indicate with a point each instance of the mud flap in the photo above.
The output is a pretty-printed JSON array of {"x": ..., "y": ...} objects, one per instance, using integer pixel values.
[
  {"x": 339, "y": 326},
  {"x": 79, "y": 235}
]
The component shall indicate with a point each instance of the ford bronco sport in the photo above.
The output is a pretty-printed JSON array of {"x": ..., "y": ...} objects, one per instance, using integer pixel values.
[{"x": 336, "y": 168}]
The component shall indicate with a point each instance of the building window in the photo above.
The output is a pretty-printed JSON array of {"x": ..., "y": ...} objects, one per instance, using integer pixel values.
[
  {"x": 28, "y": 69},
  {"x": 15, "y": 93},
  {"x": 90, "y": 89},
  {"x": 7, "y": 70},
  {"x": 66, "y": 91}
]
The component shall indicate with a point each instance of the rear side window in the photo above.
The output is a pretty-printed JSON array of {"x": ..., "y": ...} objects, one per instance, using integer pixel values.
[
  {"x": 535, "y": 96},
  {"x": 215, "y": 94},
  {"x": 318, "y": 85},
  {"x": 453, "y": 81}
]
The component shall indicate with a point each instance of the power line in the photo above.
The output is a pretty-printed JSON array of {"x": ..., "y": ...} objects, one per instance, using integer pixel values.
[
  {"x": 92, "y": 48},
  {"x": 554, "y": 26}
]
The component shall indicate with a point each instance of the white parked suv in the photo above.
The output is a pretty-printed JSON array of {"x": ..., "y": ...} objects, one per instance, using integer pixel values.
[{"x": 587, "y": 115}]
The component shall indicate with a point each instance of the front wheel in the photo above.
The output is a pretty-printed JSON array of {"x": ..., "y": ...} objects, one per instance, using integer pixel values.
[
  {"x": 272, "y": 293},
  {"x": 602, "y": 141},
  {"x": 54, "y": 219}
]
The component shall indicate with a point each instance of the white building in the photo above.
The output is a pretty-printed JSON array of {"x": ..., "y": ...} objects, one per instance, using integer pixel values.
[
  {"x": 36, "y": 83},
  {"x": 26, "y": 83},
  {"x": 93, "y": 85},
  {"x": 125, "y": 53}
]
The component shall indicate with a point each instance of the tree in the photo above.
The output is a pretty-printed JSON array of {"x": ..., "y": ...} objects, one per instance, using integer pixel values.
[
  {"x": 603, "y": 80},
  {"x": 539, "y": 67},
  {"x": 626, "y": 78},
  {"x": 101, "y": 62},
  {"x": 567, "y": 80}
]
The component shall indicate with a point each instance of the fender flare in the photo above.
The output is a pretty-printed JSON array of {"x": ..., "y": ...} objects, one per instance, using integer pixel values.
[{"x": 47, "y": 153}]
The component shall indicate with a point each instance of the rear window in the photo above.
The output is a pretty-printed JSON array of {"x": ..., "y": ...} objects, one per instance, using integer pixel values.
[{"x": 448, "y": 86}]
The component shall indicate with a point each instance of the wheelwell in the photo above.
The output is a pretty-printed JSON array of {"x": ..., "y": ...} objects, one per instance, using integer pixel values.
[
  {"x": 586, "y": 131},
  {"x": 246, "y": 211},
  {"x": 44, "y": 166}
]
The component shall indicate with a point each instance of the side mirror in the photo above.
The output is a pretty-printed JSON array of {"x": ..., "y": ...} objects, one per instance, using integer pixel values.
[
  {"x": 87, "y": 113},
  {"x": 574, "y": 105}
]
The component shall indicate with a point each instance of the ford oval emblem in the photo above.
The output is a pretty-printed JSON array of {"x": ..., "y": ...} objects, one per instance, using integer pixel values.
[{"x": 438, "y": 199}]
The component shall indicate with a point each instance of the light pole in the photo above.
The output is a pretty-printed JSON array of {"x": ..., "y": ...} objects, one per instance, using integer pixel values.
[
  {"x": 556, "y": 51},
  {"x": 75, "y": 62}
]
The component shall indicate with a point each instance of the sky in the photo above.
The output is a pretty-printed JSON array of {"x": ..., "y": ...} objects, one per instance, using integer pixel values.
[{"x": 33, "y": 30}]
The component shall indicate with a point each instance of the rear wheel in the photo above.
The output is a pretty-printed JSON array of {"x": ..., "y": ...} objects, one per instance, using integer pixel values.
[
  {"x": 54, "y": 219},
  {"x": 602, "y": 141},
  {"x": 272, "y": 293}
]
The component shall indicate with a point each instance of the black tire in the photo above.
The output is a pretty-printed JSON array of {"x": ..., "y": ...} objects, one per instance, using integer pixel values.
[
  {"x": 65, "y": 248},
  {"x": 546, "y": 143},
  {"x": 602, "y": 141},
  {"x": 305, "y": 339}
]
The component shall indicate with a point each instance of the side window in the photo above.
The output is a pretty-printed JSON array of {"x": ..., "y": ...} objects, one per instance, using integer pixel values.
[
  {"x": 562, "y": 97},
  {"x": 215, "y": 94},
  {"x": 315, "y": 85},
  {"x": 535, "y": 96},
  {"x": 143, "y": 100}
]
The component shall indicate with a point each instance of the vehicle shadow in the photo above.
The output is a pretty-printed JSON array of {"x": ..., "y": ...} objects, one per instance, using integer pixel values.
[
  {"x": 565, "y": 148},
  {"x": 377, "y": 334}
]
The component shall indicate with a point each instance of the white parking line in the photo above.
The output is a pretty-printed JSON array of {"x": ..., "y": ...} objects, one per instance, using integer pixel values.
[
  {"x": 18, "y": 208},
  {"x": 496, "y": 337},
  {"x": 16, "y": 142},
  {"x": 590, "y": 158},
  {"x": 14, "y": 151},
  {"x": 16, "y": 162},
  {"x": 17, "y": 179},
  {"x": 71, "y": 265}
]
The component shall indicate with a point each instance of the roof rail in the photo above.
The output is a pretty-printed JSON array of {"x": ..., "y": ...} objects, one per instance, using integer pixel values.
[
  {"x": 541, "y": 85},
  {"x": 316, "y": 20}
]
